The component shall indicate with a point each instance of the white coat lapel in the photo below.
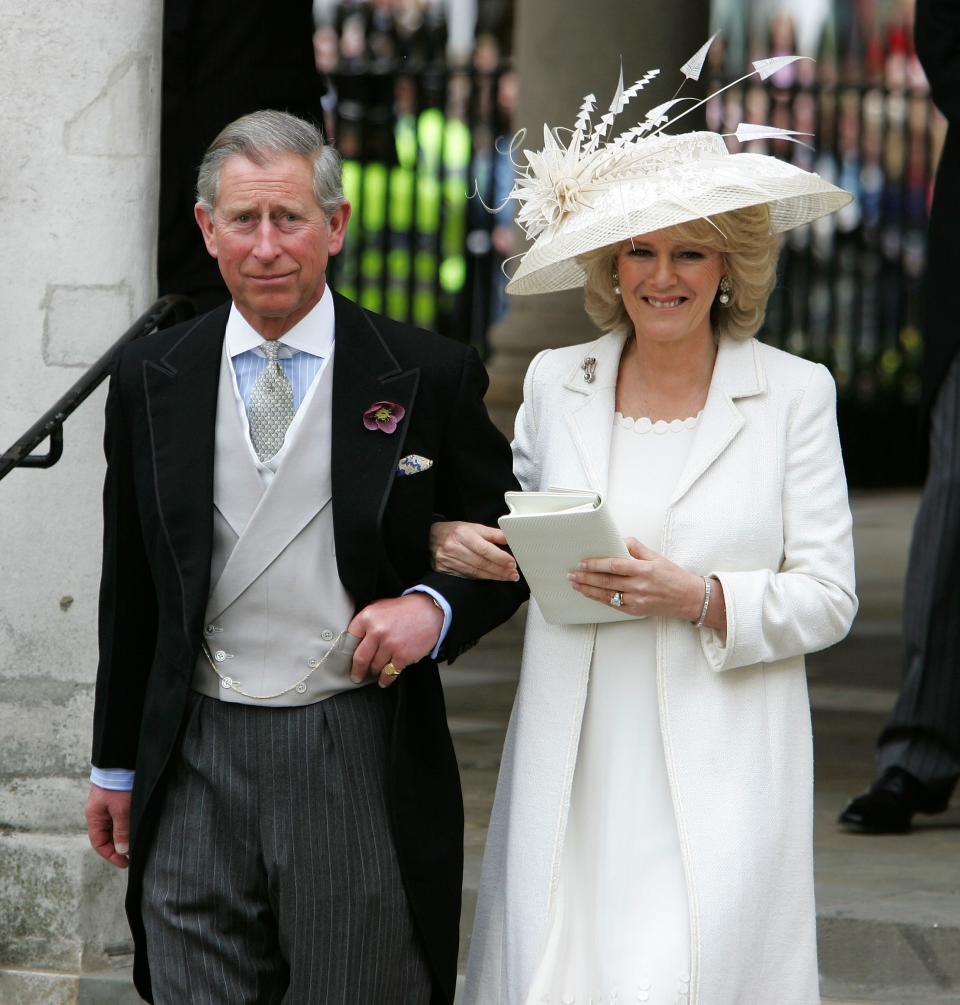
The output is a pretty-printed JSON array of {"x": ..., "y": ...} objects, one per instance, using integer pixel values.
[
  {"x": 300, "y": 490},
  {"x": 737, "y": 373},
  {"x": 589, "y": 408}
]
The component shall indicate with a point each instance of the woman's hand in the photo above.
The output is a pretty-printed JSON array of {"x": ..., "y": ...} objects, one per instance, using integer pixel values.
[
  {"x": 650, "y": 585},
  {"x": 471, "y": 550}
]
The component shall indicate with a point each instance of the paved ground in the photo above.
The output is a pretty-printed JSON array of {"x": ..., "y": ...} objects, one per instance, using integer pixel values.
[{"x": 889, "y": 907}]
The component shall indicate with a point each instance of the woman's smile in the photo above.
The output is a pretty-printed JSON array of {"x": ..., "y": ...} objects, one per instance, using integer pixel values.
[{"x": 662, "y": 304}]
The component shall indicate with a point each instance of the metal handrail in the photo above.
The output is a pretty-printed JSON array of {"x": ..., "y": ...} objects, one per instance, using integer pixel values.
[{"x": 50, "y": 425}]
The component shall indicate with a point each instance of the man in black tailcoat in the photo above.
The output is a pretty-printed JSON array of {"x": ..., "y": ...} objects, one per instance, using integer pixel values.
[
  {"x": 918, "y": 756},
  {"x": 274, "y": 467}
]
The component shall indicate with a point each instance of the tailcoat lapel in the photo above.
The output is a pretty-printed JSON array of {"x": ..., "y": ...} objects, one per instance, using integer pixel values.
[
  {"x": 363, "y": 462},
  {"x": 181, "y": 398}
]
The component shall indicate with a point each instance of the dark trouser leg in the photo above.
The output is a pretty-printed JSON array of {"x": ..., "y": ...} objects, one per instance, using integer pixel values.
[
  {"x": 345, "y": 924},
  {"x": 209, "y": 937},
  {"x": 273, "y": 875},
  {"x": 922, "y": 735}
]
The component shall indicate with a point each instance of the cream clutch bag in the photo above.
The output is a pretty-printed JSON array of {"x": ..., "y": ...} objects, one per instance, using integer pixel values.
[{"x": 549, "y": 533}]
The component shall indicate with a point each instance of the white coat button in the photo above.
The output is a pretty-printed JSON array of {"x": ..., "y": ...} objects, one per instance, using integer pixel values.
[
  {"x": 211, "y": 630},
  {"x": 219, "y": 655},
  {"x": 313, "y": 664},
  {"x": 326, "y": 635},
  {"x": 226, "y": 682},
  {"x": 301, "y": 688}
]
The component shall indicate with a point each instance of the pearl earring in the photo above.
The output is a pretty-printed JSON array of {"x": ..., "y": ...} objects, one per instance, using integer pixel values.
[
  {"x": 725, "y": 289},
  {"x": 616, "y": 283}
]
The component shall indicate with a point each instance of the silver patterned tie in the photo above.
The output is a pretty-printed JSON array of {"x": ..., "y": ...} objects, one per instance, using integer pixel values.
[{"x": 271, "y": 405}]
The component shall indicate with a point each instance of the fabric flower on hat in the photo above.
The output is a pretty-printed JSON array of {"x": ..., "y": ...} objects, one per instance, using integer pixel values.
[{"x": 383, "y": 415}]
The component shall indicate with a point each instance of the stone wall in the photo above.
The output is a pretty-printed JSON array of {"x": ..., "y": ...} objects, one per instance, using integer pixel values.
[{"x": 78, "y": 194}]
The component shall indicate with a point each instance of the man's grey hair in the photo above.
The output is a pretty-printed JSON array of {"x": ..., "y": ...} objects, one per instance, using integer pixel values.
[{"x": 262, "y": 136}]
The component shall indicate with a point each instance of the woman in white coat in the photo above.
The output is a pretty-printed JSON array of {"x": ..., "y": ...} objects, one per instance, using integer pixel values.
[{"x": 651, "y": 838}]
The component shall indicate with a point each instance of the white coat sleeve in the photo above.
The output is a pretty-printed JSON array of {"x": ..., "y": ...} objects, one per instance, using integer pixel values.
[
  {"x": 809, "y": 602},
  {"x": 526, "y": 461}
]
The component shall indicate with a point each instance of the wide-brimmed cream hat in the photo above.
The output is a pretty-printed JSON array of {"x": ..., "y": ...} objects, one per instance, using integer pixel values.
[{"x": 593, "y": 192}]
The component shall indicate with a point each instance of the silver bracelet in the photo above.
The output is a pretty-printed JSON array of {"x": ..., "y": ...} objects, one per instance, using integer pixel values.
[{"x": 707, "y": 590}]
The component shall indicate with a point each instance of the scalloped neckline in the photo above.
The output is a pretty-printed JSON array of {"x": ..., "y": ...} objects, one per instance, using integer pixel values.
[{"x": 645, "y": 425}]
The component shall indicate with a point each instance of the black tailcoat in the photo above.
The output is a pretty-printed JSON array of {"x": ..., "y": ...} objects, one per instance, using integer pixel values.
[
  {"x": 158, "y": 520},
  {"x": 937, "y": 34}
]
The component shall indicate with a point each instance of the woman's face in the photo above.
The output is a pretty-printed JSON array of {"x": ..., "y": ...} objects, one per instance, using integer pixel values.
[{"x": 668, "y": 287}]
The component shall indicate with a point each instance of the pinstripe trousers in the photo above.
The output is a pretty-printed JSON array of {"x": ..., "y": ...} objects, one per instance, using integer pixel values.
[
  {"x": 273, "y": 876},
  {"x": 922, "y": 734}
]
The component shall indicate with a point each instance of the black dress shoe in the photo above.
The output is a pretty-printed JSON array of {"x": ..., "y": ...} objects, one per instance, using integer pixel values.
[{"x": 890, "y": 803}]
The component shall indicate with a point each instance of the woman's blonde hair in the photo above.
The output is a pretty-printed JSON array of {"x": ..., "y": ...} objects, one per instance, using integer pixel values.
[{"x": 750, "y": 252}]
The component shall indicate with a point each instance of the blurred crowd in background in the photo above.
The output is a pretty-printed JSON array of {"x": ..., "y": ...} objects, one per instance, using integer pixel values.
[{"x": 421, "y": 131}]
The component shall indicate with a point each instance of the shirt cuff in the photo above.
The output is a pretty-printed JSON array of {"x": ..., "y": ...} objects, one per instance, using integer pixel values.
[
  {"x": 441, "y": 602},
  {"x": 117, "y": 779}
]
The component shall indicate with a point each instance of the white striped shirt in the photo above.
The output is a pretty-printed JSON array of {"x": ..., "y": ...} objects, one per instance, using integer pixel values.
[
  {"x": 301, "y": 368},
  {"x": 303, "y": 350}
]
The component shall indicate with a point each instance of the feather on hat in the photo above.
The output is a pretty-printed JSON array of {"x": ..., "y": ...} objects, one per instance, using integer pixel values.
[{"x": 598, "y": 189}]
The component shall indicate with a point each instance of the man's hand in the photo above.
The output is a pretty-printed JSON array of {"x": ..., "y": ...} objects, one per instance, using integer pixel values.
[
  {"x": 400, "y": 631},
  {"x": 108, "y": 824},
  {"x": 471, "y": 551}
]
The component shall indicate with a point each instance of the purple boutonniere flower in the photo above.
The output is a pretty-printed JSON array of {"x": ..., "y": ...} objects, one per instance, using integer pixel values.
[{"x": 383, "y": 415}]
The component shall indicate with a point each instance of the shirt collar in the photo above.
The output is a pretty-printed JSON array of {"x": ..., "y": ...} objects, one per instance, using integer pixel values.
[{"x": 312, "y": 334}]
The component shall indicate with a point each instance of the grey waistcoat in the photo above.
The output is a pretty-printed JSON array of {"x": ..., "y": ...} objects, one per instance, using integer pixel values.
[{"x": 276, "y": 602}]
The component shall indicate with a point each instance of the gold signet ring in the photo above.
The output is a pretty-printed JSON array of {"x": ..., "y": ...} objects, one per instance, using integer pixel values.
[{"x": 390, "y": 670}]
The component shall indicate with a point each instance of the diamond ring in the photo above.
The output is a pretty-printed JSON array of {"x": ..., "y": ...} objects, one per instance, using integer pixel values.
[{"x": 617, "y": 599}]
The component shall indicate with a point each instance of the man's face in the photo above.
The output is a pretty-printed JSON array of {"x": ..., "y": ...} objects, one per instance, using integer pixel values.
[{"x": 271, "y": 239}]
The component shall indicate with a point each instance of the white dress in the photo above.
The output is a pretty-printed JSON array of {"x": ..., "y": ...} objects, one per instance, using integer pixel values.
[{"x": 619, "y": 928}]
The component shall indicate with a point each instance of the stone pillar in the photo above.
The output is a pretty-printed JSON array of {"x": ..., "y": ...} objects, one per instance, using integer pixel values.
[
  {"x": 566, "y": 49},
  {"x": 78, "y": 193}
]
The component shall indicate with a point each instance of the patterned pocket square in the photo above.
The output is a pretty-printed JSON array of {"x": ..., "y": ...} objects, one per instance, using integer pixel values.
[{"x": 413, "y": 464}]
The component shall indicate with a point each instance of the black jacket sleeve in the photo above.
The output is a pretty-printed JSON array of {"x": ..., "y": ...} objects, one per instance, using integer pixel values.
[
  {"x": 937, "y": 36},
  {"x": 128, "y": 606},
  {"x": 479, "y": 470}
]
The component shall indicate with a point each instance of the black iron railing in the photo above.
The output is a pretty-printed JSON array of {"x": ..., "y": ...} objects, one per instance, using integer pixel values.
[{"x": 49, "y": 426}]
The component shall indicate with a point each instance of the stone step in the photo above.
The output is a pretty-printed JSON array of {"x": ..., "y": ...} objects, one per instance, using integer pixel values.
[
  {"x": 116, "y": 988},
  {"x": 51, "y": 987}
]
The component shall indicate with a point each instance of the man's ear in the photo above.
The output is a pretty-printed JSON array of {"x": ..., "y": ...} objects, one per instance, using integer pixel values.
[
  {"x": 339, "y": 219},
  {"x": 204, "y": 219}
]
